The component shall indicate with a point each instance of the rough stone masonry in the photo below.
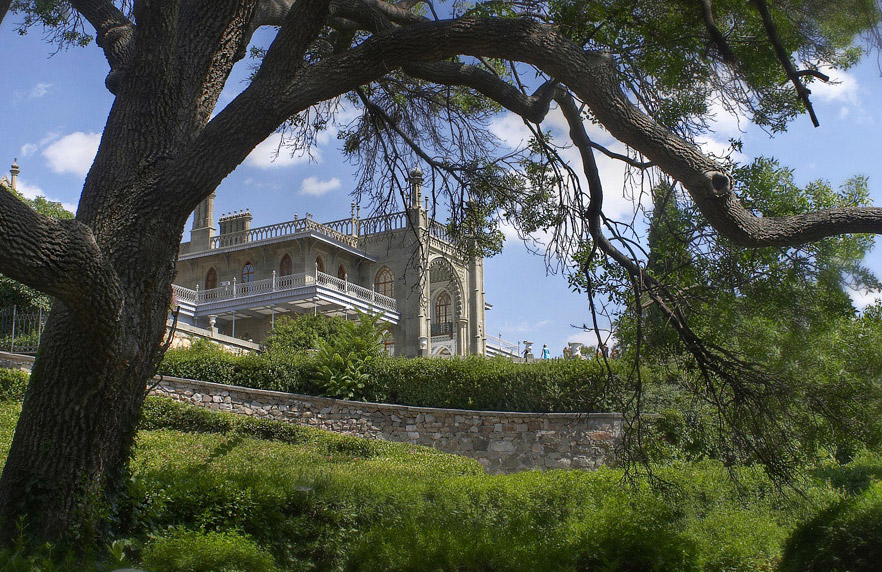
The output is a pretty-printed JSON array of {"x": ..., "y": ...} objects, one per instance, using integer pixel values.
[{"x": 502, "y": 442}]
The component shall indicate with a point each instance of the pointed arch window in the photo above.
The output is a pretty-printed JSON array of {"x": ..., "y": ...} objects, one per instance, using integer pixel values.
[
  {"x": 442, "y": 308},
  {"x": 341, "y": 272},
  {"x": 384, "y": 283},
  {"x": 286, "y": 267},
  {"x": 319, "y": 264},
  {"x": 248, "y": 273},
  {"x": 211, "y": 278}
]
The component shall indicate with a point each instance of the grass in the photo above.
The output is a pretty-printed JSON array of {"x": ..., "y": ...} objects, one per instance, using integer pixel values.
[{"x": 212, "y": 491}]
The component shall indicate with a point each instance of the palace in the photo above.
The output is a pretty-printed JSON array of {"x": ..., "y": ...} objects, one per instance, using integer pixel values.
[{"x": 238, "y": 281}]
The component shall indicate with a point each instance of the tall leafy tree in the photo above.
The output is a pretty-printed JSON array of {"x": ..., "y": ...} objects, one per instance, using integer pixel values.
[{"x": 426, "y": 81}]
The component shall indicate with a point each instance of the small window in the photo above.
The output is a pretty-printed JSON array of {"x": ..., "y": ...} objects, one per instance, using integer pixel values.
[
  {"x": 385, "y": 282},
  {"x": 211, "y": 278},
  {"x": 442, "y": 308},
  {"x": 286, "y": 267},
  {"x": 319, "y": 264},
  {"x": 247, "y": 273},
  {"x": 341, "y": 272},
  {"x": 389, "y": 345}
]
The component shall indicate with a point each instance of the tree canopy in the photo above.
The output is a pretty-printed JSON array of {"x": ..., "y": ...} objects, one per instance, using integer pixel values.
[{"x": 426, "y": 79}]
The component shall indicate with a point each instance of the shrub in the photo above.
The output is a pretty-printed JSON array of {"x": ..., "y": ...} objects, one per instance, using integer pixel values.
[
  {"x": 13, "y": 383},
  {"x": 193, "y": 551},
  {"x": 302, "y": 333},
  {"x": 846, "y": 536},
  {"x": 342, "y": 362},
  {"x": 463, "y": 383}
]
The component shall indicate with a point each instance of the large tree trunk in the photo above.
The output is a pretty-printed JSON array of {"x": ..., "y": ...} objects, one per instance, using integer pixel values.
[{"x": 78, "y": 421}]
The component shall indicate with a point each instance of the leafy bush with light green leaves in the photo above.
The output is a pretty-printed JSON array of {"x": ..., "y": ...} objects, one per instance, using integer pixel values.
[
  {"x": 342, "y": 363},
  {"x": 184, "y": 550},
  {"x": 302, "y": 333}
]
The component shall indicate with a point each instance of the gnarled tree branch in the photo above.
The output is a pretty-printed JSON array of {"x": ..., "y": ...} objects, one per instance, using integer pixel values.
[
  {"x": 590, "y": 75},
  {"x": 58, "y": 257},
  {"x": 114, "y": 34}
]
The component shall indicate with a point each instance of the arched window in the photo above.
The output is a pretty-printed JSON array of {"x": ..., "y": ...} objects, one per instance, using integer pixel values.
[
  {"x": 211, "y": 278},
  {"x": 385, "y": 282},
  {"x": 319, "y": 264},
  {"x": 341, "y": 272},
  {"x": 247, "y": 273},
  {"x": 442, "y": 308},
  {"x": 286, "y": 267}
]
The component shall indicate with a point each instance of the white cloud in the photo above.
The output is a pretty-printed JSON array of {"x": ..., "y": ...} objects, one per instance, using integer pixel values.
[
  {"x": 271, "y": 154},
  {"x": 28, "y": 149},
  {"x": 314, "y": 187},
  {"x": 39, "y": 90},
  {"x": 842, "y": 87},
  {"x": 72, "y": 153},
  {"x": 863, "y": 298},
  {"x": 33, "y": 191}
]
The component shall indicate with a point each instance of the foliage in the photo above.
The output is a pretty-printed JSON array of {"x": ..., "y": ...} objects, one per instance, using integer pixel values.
[
  {"x": 468, "y": 383},
  {"x": 846, "y": 536},
  {"x": 194, "y": 551},
  {"x": 319, "y": 501},
  {"x": 780, "y": 318},
  {"x": 342, "y": 362},
  {"x": 13, "y": 384},
  {"x": 302, "y": 333}
]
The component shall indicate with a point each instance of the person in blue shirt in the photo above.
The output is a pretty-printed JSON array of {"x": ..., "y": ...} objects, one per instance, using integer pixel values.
[{"x": 545, "y": 353}]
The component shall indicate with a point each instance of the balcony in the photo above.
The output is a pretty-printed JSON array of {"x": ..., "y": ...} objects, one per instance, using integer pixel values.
[
  {"x": 279, "y": 294},
  {"x": 442, "y": 329}
]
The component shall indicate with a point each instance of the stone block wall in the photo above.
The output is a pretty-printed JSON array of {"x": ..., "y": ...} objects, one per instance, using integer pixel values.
[{"x": 502, "y": 442}]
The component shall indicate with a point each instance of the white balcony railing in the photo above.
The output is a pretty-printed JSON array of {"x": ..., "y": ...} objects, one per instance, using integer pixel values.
[
  {"x": 282, "y": 229},
  {"x": 502, "y": 346},
  {"x": 233, "y": 289}
]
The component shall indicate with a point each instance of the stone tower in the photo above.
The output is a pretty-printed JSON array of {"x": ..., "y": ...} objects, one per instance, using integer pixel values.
[{"x": 203, "y": 225}]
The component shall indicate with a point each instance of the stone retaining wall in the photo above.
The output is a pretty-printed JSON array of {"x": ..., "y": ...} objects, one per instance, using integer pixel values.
[{"x": 501, "y": 441}]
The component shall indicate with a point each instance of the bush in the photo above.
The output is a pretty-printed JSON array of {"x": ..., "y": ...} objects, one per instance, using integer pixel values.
[
  {"x": 463, "y": 383},
  {"x": 276, "y": 371},
  {"x": 302, "y": 333},
  {"x": 191, "y": 551},
  {"x": 847, "y": 536},
  {"x": 13, "y": 384}
]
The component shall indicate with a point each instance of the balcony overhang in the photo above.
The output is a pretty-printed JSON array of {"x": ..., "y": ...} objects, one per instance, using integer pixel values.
[{"x": 293, "y": 293}]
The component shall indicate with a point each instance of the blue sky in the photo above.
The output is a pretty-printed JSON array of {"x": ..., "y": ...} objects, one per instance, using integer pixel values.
[{"x": 54, "y": 108}]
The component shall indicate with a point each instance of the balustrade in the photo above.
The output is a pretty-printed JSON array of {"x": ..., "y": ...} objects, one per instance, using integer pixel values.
[{"x": 281, "y": 283}]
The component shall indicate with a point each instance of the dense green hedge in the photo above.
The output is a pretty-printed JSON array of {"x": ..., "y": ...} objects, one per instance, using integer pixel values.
[
  {"x": 470, "y": 383},
  {"x": 13, "y": 383}
]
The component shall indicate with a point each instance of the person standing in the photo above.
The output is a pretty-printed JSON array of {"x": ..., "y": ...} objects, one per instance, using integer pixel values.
[{"x": 545, "y": 353}]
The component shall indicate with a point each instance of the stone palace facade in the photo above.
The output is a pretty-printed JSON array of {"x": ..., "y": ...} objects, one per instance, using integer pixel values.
[{"x": 238, "y": 281}]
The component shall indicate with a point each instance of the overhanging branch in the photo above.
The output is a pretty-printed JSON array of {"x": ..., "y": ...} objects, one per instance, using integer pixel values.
[{"x": 58, "y": 257}]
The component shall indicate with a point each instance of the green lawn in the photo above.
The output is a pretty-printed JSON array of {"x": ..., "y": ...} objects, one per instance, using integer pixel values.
[{"x": 212, "y": 491}]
